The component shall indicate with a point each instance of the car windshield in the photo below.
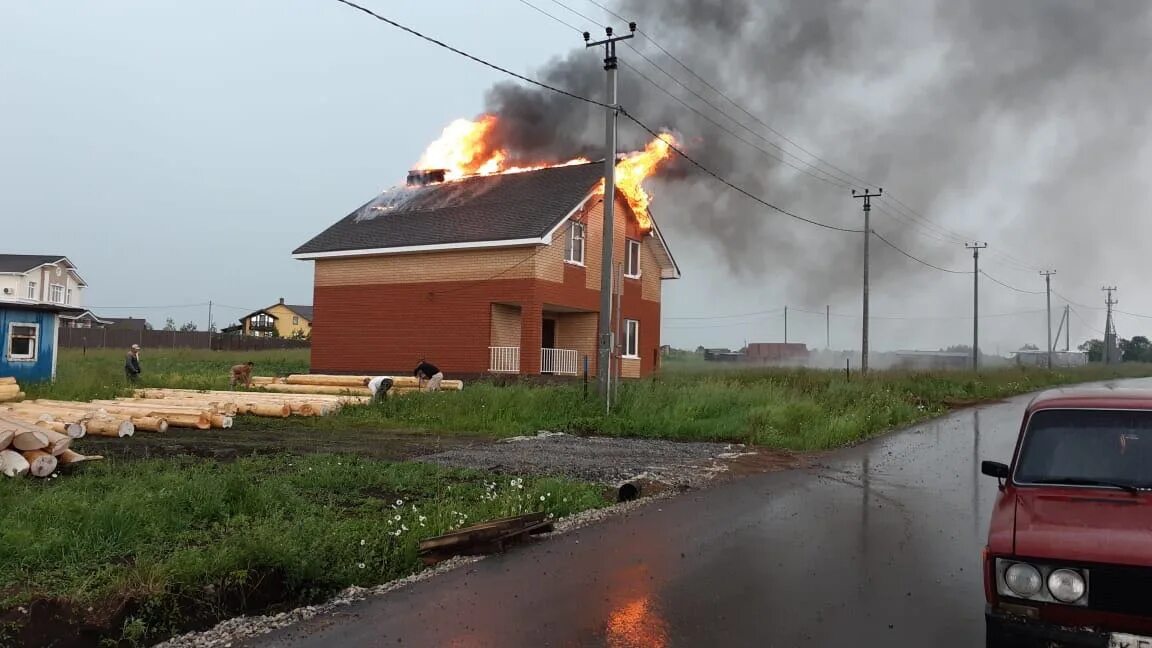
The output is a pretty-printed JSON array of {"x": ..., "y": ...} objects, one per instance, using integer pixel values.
[{"x": 1087, "y": 447}]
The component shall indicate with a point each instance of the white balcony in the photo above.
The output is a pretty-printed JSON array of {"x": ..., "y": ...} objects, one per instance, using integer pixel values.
[
  {"x": 560, "y": 362},
  {"x": 504, "y": 360}
]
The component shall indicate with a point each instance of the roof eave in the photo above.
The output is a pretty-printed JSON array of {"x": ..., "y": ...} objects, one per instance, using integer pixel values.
[{"x": 415, "y": 249}]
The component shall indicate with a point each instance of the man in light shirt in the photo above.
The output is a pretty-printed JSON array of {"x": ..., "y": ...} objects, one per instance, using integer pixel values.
[{"x": 379, "y": 387}]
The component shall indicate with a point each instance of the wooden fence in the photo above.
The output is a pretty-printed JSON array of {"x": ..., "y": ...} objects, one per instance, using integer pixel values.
[{"x": 95, "y": 338}]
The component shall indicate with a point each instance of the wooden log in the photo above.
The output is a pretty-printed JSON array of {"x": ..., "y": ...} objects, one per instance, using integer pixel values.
[
  {"x": 57, "y": 443},
  {"x": 111, "y": 427},
  {"x": 6, "y": 438},
  {"x": 70, "y": 430},
  {"x": 150, "y": 423},
  {"x": 27, "y": 440},
  {"x": 220, "y": 421},
  {"x": 324, "y": 380},
  {"x": 318, "y": 389},
  {"x": 12, "y": 398},
  {"x": 9, "y": 388},
  {"x": 71, "y": 457},
  {"x": 152, "y": 406},
  {"x": 41, "y": 463},
  {"x": 13, "y": 464},
  {"x": 189, "y": 421},
  {"x": 7, "y": 380},
  {"x": 283, "y": 410}
]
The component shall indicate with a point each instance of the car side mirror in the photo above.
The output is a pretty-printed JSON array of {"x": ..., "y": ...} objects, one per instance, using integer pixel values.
[{"x": 996, "y": 469}]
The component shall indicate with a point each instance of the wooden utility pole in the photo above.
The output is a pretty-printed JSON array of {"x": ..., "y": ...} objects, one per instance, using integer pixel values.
[
  {"x": 1048, "y": 291},
  {"x": 867, "y": 197},
  {"x": 975, "y": 247}
]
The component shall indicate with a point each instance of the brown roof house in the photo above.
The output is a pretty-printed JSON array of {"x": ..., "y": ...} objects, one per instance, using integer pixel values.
[{"x": 486, "y": 274}]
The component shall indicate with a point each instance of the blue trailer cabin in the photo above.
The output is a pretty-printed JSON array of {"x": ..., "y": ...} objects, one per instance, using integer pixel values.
[{"x": 30, "y": 337}]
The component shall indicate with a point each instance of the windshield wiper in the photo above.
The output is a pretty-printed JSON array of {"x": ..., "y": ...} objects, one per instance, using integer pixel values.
[{"x": 1077, "y": 481}]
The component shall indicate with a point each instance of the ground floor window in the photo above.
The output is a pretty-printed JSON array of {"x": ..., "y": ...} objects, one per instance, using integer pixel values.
[
  {"x": 631, "y": 339},
  {"x": 22, "y": 341}
]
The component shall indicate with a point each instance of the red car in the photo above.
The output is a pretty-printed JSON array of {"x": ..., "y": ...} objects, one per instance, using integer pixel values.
[{"x": 1069, "y": 554}]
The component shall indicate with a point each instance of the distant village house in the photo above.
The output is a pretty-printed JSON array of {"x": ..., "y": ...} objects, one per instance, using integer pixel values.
[{"x": 36, "y": 293}]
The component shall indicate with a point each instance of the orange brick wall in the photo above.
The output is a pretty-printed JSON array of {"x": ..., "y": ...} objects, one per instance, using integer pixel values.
[{"x": 505, "y": 326}]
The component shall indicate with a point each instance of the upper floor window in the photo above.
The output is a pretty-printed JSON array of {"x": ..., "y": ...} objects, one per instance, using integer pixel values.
[
  {"x": 68, "y": 297},
  {"x": 574, "y": 244},
  {"x": 262, "y": 320},
  {"x": 56, "y": 294},
  {"x": 295, "y": 320},
  {"x": 632, "y": 259},
  {"x": 31, "y": 290}
]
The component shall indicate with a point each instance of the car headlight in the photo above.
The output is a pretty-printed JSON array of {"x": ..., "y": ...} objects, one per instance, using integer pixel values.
[
  {"x": 1024, "y": 579},
  {"x": 1066, "y": 585}
]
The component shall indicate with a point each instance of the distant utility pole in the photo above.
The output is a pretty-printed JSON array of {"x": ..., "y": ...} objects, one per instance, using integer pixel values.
[
  {"x": 209, "y": 325},
  {"x": 1067, "y": 327},
  {"x": 975, "y": 247},
  {"x": 867, "y": 196},
  {"x": 1047, "y": 274},
  {"x": 828, "y": 327},
  {"x": 785, "y": 325},
  {"x": 1109, "y": 326},
  {"x": 603, "y": 371}
]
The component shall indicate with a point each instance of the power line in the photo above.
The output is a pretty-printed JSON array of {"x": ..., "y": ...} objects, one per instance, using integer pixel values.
[
  {"x": 1085, "y": 321},
  {"x": 1010, "y": 287},
  {"x": 733, "y": 315},
  {"x": 146, "y": 307},
  {"x": 471, "y": 57},
  {"x": 552, "y": 16},
  {"x": 914, "y": 258},
  {"x": 730, "y": 185}
]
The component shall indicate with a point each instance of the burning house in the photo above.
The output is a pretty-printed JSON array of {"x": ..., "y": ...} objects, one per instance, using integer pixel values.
[{"x": 483, "y": 267}]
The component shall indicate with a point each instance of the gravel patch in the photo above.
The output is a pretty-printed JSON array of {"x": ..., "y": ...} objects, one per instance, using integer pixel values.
[{"x": 595, "y": 459}]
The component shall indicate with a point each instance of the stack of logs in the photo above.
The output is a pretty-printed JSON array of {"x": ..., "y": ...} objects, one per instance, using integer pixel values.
[
  {"x": 37, "y": 448},
  {"x": 335, "y": 385},
  {"x": 10, "y": 391}
]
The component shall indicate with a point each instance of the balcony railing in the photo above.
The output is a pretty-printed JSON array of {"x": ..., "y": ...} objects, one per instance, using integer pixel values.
[
  {"x": 561, "y": 362},
  {"x": 504, "y": 359}
]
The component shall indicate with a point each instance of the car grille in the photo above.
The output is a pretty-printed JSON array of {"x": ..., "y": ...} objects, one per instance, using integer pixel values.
[{"x": 1121, "y": 589}]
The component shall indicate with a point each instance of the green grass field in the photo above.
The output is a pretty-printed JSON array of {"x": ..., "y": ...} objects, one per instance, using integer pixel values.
[{"x": 184, "y": 541}]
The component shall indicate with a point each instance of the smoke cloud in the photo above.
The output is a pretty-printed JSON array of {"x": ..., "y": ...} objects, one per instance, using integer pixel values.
[{"x": 1013, "y": 120}]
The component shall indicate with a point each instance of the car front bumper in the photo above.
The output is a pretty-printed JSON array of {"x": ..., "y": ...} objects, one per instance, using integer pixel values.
[{"x": 1005, "y": 630}]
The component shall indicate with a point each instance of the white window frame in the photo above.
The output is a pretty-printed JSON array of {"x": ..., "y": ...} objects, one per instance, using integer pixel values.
[
  {"x": 22, "y": 357},
  {"x": 68, "y": 296},
  {"x": 629, "y": 246},
  {"x": 577, "y": 231},
  {"x": 31, "y": 290},
  {"x": 295, "y": 320},
  {"x": 52, "y": 293},
  {"x": 631, "y": 339}
]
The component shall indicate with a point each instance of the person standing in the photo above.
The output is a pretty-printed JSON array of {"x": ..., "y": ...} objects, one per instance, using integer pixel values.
[
  {"x": 427, "y": 371},
  {"x": 132, "y": 364},
  {"x": 379, "y": 387}
]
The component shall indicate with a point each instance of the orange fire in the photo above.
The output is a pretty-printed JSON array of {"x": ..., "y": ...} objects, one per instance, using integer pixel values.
[
  {"x": 464, "y": 149},
  {"x": 634, "y": 169}
]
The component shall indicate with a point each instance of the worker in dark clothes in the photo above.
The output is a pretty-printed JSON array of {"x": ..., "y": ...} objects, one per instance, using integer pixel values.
[
  {"x": 241, "y": 375},
  {"x": 426, "y": 371},
  {"x": 132, "y": 364}
]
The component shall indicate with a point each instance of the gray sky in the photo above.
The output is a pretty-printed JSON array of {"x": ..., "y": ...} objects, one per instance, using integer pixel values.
[{"x": 178, "y": 152}]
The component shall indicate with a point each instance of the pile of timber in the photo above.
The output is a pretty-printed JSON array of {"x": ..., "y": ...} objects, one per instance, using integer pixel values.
[
  {"x": 37, "y": 448},
  {"x": 254, "y": 403},
  {"x": 337, "y": 385},
  {"x": 10, "y": 390}
]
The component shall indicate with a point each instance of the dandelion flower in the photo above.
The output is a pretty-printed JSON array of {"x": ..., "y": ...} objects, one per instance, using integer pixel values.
[
  {"x": 541, "y": 498},
  {"x": 360, "y": 565},
  {"x": 403, "y": 527},
  {"x": 361, "y": 543},
  {"x": 399, "y": 502}
]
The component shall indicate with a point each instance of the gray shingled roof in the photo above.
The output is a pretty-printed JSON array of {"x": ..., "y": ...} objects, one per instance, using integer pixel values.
[
  {"x": 302, "y": 311},
  {"x": 483, "y": 208},
  {"x": 25, "y": 262}
]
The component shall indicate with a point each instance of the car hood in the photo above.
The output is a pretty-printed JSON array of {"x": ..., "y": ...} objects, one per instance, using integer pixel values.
[{"x": 1088, "y": 525}]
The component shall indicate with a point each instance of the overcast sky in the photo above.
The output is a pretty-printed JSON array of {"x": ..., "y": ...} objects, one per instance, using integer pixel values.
[{"x": 178, "y": 152}]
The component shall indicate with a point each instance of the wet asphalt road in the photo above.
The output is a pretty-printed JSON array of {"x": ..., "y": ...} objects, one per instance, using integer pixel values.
[{"x": 879, "y": 545}]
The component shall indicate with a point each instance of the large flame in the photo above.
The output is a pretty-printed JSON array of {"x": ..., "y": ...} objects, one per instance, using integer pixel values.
[
  {"x": 465, "y": 149},
  {"x": 634, "y": 169}
]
